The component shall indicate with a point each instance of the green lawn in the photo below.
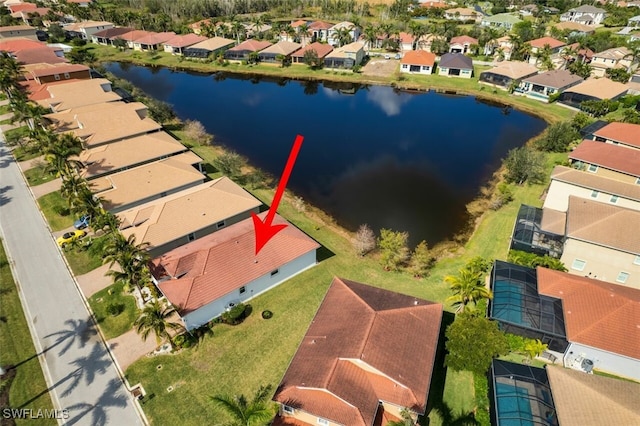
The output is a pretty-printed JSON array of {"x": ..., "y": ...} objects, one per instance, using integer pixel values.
[
  {"x": 56, "y": 210},
  {"x": 25, "y": 153},
  {"x": 38, "y": 175},
  {"x": 27, "y": 389},
  {"x": 114, "y": 326},
  {"x": 83, "y": 260}
]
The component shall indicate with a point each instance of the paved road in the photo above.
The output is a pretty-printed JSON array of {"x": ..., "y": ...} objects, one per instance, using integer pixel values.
[{"x": 81, "y": 376}]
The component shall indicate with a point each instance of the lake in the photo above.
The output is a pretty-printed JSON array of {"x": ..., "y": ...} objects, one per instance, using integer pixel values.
[{"x": 372, "y": 154}]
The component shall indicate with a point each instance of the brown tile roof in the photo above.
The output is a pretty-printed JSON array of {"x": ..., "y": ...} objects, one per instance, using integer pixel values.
[
  {"x": 418, "y": 57},
  {"x": 251, "y": 45},
  {"x": 184, "y": 40},
  {"x": 213, "y": 43},
  {"x": 282, "y": 47},
  {"x": 599, "y": 183},
  {"x": 152, "y": 39},
  {"x": 539, "y": 43},
  {"x": 574, "y": 26},
  {"x": 603, "y": 224},
  {"x": 128, "y": 152},
  {"x": 319, "y": 25},
  {"x": 556, "y": 79},
  {"x": 321, "y": 49},
  {"x": 21, "y": 6},
  {"x": 41, "y": 55},
  {"x": 455, "y": 61},
  {"x": 16, "y": 28},
  {"x": 364, "y": 345},
  {"x": 553, "y": 221},
  {"x": 43, "y": 71},
  {"x": 133, "y": 185},
  {"x": 161, "y": 221},
  {"x": 626, "y": 133},
  {"x": 596, "y": 313},
  {"x": 583, "y": 399},
  {"x": 600, "y": 88},
  {"x": 224, "y": 261},
  {"x": 79, "y": 93},
  {"x": 608, "y": 156},
  {"x": 134, "y": 35},
  {"x": 463, "y": 39},
  {"x": 298, "y": 23},
  {"x": 514, "y": 69}
]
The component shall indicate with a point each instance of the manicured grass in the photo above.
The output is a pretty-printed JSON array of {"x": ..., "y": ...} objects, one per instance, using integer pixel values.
[
  {"x": 523, "y": 359},
  {"x": 27, "y": 389},
  {"x": 5, "y": 109},
  {"x": 86, "y": 255},
  {"x": 18, "y": 132},
  {"x": 38, "y": 175},
  {"x": 25, "y": 153},
  {"x": 56, "y": 210},
  {"x": 114, "y": 326}
]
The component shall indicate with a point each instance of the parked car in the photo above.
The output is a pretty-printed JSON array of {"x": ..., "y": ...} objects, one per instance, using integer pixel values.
[
  {"x": 70, "y": 237},
  {"x": 82, "y": 223},
  {"x": 387, "y": 56},
  {"x": 397, "y": 56}
]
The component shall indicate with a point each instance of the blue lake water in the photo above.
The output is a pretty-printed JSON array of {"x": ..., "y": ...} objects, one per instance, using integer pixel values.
[{"x": 371, "y": 154}]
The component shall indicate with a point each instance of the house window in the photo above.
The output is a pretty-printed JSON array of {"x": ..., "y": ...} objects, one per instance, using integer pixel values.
[
  {"x": 636, "y": 261},
  {"x": 578, "y": 265},
  {"x": 67, "y": 76},
  {"x": 425, "y": 68},
  {"x": 322, "y": 421},
  {"x": 638, "y": 181},
  {"x": 613, "y": 199},
  {"x": 274, "y": 272},
  {"x": 404, "y": 66},
  {"x": 288, "y": 410},
  {"x": 56, "y": 76},
  {"x": 191, "y": 236},
  {"x": 243, "y": 289},
  {"x": 593, "y": 168},
  {"x": 622, "y": 277},
  {"x": 594, "y": 194},
  {"x": 220, "y": 224}
]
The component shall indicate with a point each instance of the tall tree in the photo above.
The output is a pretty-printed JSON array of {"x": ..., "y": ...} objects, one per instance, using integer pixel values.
[
  {"x": 524, "y": 164},
  {"x": 393, "y": 248},
  {"x": 255, "y": 412},
  {"x": 421, "y": 260},
  {"x": 468, "y": 288},
  {"x": 342, "y": 36},
  {"x": 155, "y": 319},
  {"x": 132, "y": 258}
]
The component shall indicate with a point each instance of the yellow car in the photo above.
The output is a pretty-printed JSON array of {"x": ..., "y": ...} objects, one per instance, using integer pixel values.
[{"x": 70, "y": 237}]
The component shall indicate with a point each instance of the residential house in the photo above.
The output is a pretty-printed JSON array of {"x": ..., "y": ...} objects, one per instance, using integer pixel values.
[
  {"x": 607, "y": 160},
  {"x": 152, "y": 41},
  {"x": 462, "y": 44},
  {"x": 256, "y": 31},
  {"x": 177, "y": 219},
  {"x": 538, "y": 45},
  {"x": 202, "y": 278},
  {"x": 49, "y": 73},
  {"x": 282, "y": 49},
  {"x": 131, "y": 36},
  {"x": 29, "y": 52},
  {"x": 27, "y": 15},
  {"x": 622, "y": 134},
  {"x": 22, "y": 31},
  {"x": 504, "y": 21},
  {"x": 211, "y": 47},
  {"x": 19, "y": 6},
  {"x": 455, "y": 65},
  {"x": 379, "y": 365},
  {"x": 406, "y": 41},
  {"x": 354, "y": 32},
  {"x": 616, "y": 57},
  {"x": 106, "y": 37},
  {"x": 539, "y": 231},
  {"x": 242, "y": 51},
  {"x": 593, "y": 89},
  {"x": 86, "y": 29},
  {"x": 462, "y": 14},
  {"x": 79, "y": 93},
  {"x": 127, "y": 153},
  {"x": 587, "y": 323},
  {"x": 321, "y": 49},
  {"x": 93, "y": 124},
  {"x": 418, "y": 62},
  {"x": 319, "y": 31},
  {"x": 197, "y": 27},
  {"x": 586, "y": 15},
  {"x": 566, "y": 182},
  {"x": 177, "y": 44},
  {"x": 345, "y": 57},
  {"x": 575, "y": 28},
  {"x": 543, "y": 85},
  {"x": 132, "y": 187},
  {"x": 507, "y": 75},
  {"x": 500, "y": 47}
]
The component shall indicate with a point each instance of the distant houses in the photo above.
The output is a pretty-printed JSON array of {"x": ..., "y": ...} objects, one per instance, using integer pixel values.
[
  {"x": 345, "y": 57},
  {"x": 418, "y": 61},
  {"x": 455, "y": 65},
  {"x": 507, "y": 75}
]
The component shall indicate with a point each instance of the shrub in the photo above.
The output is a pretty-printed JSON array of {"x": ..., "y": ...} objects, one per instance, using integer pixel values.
[
  {"x": 235, "y": 315},
  {"x": 115, "y": 309},
  {"x": 267, "y": 314}
]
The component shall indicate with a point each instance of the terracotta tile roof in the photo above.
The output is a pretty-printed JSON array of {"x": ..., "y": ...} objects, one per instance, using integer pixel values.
[
  {"x": 608, "y": 156},
  {"x": 161, "y": 221},
  {"x": 603, "y": 224},
  {"x": 597, "y": 314},
  {"x": 133, "y": 185},
  {"x": 282, "y": 47},
  {"x": 79, "y": 93},
  {"x": 299, "y": 23},
  {"x": 57, "y": 69},
  {"x": 224, "y": 261},
  {"x": 321, "y": 49},
  {"x": 213, "y": 44},
  {"x": 514, "y": 69},
  {"x": 134, "y": 35},
  {"x": 155, "y": 38},
  {"x": 593, "y": 181},
  {"x": 39, "y": 55},
  {"x": 626, "y": 133},
  {"x": 600, "y": 88},
  {"x": 251, "y": 45},
  {"x": 319, "y": 25},
  {"x": 184, "y": 40},
  {"x": 406, "y": 37},
  {"x": 128, "y": 152},
  {"x": 341, "y": 372},
  {"x": 21, "y": 6},
  {"x": 582, "y": 399},
  {"x": 557, "y": 79},
  {"x": 112, "y": 32},
  {"x": 539, "y": 43},
  {"x": 456, "y": 61},
  {"x": 463, "y": 39},
  {"x": 418, "y": 57},
  {"x": 40, "y": 11}
]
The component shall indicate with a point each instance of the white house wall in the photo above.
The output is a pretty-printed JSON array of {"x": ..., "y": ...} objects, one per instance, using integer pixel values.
[
  {"x": 252, "y": 289},
  {"x": 558, "y": 197},
  {"x": 604, "y": 361}
]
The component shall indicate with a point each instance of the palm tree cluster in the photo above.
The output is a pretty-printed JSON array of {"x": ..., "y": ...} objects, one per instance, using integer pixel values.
[
  {"x": 468, "y": 285},
  {"x": 255, "y": 412},
  {"x": 10, "y": 72},
  {"x": 132, "y": 259}
]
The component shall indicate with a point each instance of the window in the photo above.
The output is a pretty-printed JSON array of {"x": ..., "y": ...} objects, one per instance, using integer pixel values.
[
  {"x": 405, "y": 66},
  {"x": 638, "y": 181},
  {"x": 613, "y": 199},
  {"x": 622, "y": 277},
  {"x": 191, "y": 236},
  {"x": 287, "y": 409},
  {"x": 636, "y": 261},
  {"x": 594, "y": 194},
  {"x": 425, "y": 68},
  {"x": 593, "y": 168},
  {"x": 322, "y": 421},
  {"x": 67, "y": 76},
  {"x": 578, "y": 265},
  {"x": 56, "y": 76},
  {"x": 220, "y": 224},
  {"x": 275, "y": 272},
  {"x": 243, "y": 289}
]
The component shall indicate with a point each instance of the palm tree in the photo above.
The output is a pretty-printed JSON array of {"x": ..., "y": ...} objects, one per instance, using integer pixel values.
[
  {"x": 236, "y": 29},
  {"x": 467, "y": 287},
  {"x": 370, "y": 36},
  {"x": 10, "y": 71},
  {"x": 303, "y": 33},
  {"x": 256, "y": 412},
  {"x": 417, "y": 31},
  {"x": 71, "y": 187},
  {"x": 58, "y": 154},
  {"x": 155, "y": 319},
  {"x": 132, "y": 259},
  {"x": 406, "y": 419},
  {"x": 634, "y": 54},
  {"x": 342, "y": 36}
]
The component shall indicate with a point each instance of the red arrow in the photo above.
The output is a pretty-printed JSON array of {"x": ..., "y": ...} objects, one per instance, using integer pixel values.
[{"x": 265, "y": 230}]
